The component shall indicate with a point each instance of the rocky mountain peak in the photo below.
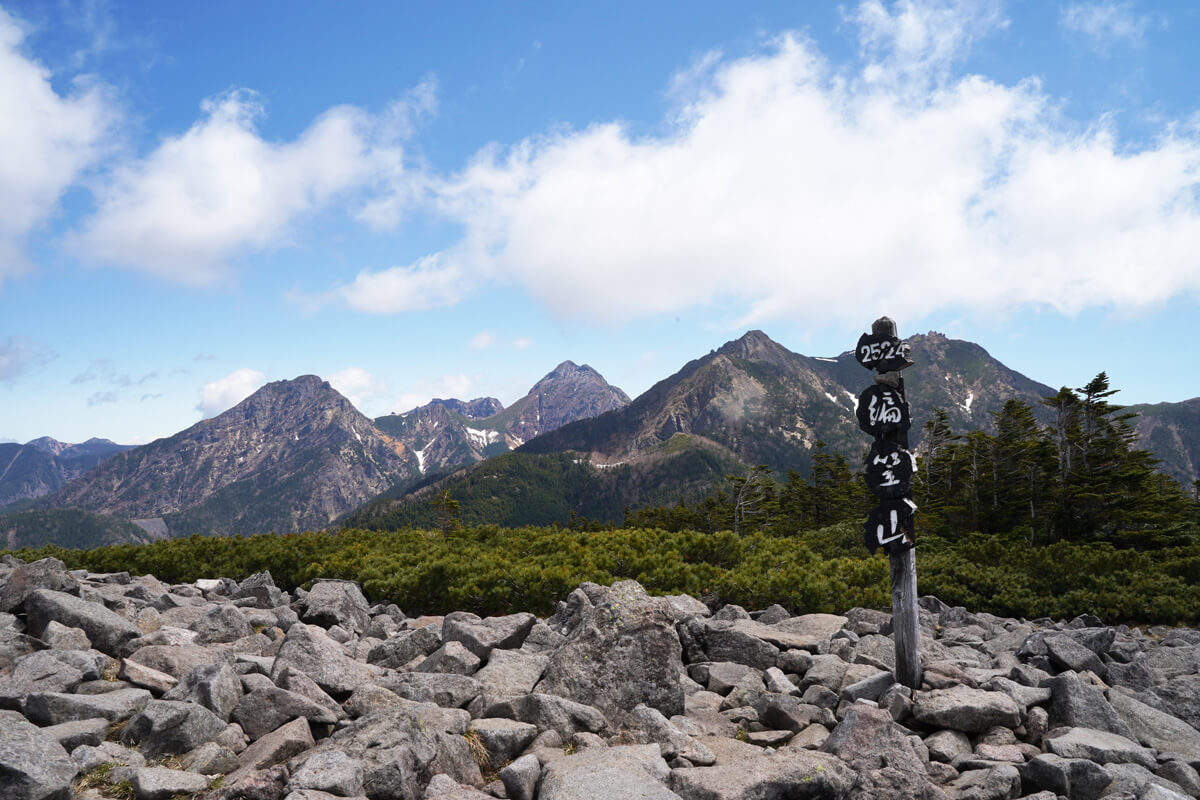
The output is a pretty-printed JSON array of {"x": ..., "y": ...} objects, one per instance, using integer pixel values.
[
  {"x": 48, "y": 444},
  {"x": 758, "y": 347}
]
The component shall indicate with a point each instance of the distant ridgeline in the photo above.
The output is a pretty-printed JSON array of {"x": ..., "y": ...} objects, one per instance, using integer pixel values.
[{"x": 748, "y": 437}]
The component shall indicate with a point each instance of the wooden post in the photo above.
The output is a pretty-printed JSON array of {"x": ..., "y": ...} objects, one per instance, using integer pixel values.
[
  {"x": 905, "y": 630},
  {"x": 883, "y": 413}
]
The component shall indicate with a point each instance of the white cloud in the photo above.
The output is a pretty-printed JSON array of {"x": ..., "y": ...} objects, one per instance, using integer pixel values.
[
  {"x": 452, "y": 385},
  {"x": 19, "y": 354},
  {"x": 1106, "y": 24},
  {"x": 920, "y": 40},
  {"x": 483, "y": 340},
  {"x": 224, "y": 393},
  {"x": 522, "y": 343},
  {"x": 359, "y": 386},
  {"x": 220, "y": 189},
  {"x": 46, "y": 141},
  {"x": 428, "y": 284},
  {"x": 788, "y": 187}
]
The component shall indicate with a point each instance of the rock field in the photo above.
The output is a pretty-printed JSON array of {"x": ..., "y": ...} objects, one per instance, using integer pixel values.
[{"x": 125, "y": 687}]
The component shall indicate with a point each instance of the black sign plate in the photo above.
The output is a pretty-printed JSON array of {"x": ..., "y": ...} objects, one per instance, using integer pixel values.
[
  {"x": 890, "y": 526},
  {"x": 882, "y": 411},
  {"x": 880, "y": 352},
  {"x": 889, "y": 469}
]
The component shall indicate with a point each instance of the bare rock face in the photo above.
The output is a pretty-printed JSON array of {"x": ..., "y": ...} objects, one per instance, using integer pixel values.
[{"x": 623, "y": 651}]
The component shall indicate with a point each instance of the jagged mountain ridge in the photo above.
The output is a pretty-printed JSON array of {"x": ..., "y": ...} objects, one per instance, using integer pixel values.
[
  {"x": 44, "y": 465},
  {"x": 752, "y": 401},
  {"x": 447, "y": 434},
  {"x": 769, "y": 405},
  {"x": 295, "y": 454}
]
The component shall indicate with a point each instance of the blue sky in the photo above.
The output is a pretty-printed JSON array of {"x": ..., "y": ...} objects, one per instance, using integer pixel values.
[{"x": 418, "y": 200}]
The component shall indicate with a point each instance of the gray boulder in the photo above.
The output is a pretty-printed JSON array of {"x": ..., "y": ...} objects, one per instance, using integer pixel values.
[
  {"x": 263, "y": 710},
  {"x": 481, "y": 636},
  {"x": 260, "y": 588},
  {"x": 992, "y": 783},
  {"x": 1102, "y": 747},
  {"x": 301, "y": 684},
  {"x": 1181, "y": 698},
  {"x": 276, "y": 747},
  {"x": 962, "y": 708},
  {"x": 37, "y": 672},
  {"x": 160, "y": 783},
  {"x": 33, "y": 765},
  {"x": 52, "y": 708},
  {"x": 224, "y": 623},
  {"x": 511, "y": 672},
  {"x": 1078, "y": 704},
  {"x": 332, "y": 602},
  {"x": 452, "y": 658},
  {"x": 80, "y": 732},
  {"x": 871, "y": 744},
  {"x": 47, "y": 573},
  {"x": 213, "y": 686},
  {"x": 787, "y": 774},
  {"x": 623, "y": 651},
  {"x": 211, "y": 758},
  {"x": 1075, "y": 778},
  {"x": 645, "y": 725},
  {"x": 566, "y": 717},
  {"x": 448, "y": 691},
  {"x": 308, "y": 649},
  {"x": 178, "y": 660},
  {"x": 1066, "y": 653},
  {"x": 166, "y": 727},
  {"x": 724, "y": 640},
  {"x": 613, "y": 773},
  {"x": 400, "y": 754},
  {"x": 108, "y": 631},
  {"x": 1154, "y": 728},
  {"x": 333, "y": 771},
  {"x": 61, "y": 637},
  {"x": 405, "y": 647},
  {"x": 520, "y": 778},
  {"x": 502, "y": 739}
]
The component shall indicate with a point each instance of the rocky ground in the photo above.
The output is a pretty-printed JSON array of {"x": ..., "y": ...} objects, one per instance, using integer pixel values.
[{"x": 124, "y": 687}]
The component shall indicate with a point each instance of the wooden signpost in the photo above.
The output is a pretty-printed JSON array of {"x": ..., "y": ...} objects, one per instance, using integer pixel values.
[{"x": 883, "y": 414}]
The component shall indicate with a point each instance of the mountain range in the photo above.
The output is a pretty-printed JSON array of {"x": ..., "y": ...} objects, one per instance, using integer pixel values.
[
  {"x": 296, "y": 454},
  {"x": 45, "y": 465}
]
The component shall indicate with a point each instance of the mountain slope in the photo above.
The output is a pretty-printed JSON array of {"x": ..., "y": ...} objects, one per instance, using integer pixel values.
[
  {"x": 769, "y": 405},
  {"x": 44, "y": 465},
  {"x": 67, "y": 527},
  {"x": 515, "y": 489},
  {"x": 447, "y": 434},
  {"x": 293, "y": 455},
  {"x": 1172, "y": 432}
]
